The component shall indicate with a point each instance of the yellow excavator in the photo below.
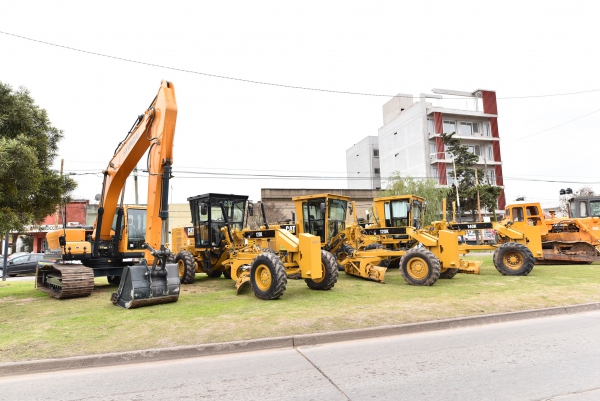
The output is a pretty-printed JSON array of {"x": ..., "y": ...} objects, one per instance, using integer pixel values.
[{"x": 123, "y": 234}]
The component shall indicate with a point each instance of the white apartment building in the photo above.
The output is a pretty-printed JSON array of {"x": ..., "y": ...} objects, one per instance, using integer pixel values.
[
  {"x": 409, "y": 141},
  {"x": 362, "y": 164}
]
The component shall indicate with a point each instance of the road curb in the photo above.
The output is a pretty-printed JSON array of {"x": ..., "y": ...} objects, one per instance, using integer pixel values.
[{"x": 163, "y": 354}]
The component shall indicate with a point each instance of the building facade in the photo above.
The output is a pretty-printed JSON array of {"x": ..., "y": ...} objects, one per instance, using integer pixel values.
[
  {"x": 362, "y": 164},
  {"x": 409, "y": 141}
]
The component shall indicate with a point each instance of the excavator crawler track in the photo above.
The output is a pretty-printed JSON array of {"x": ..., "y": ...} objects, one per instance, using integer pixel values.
[{"x": 65, "y": 281}]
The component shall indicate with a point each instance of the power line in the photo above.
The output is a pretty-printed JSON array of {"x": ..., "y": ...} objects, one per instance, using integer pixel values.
[
  {"x": 556, "y": 126},
  {"x": 246, "y": 176},
  {"x": 270, "y": 83}
]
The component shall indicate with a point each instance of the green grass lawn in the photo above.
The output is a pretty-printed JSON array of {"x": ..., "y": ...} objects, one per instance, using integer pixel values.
[{"x": 35, "y": 326}]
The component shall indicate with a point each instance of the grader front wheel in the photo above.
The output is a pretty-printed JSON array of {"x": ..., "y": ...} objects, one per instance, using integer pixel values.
[
  {"x": 267, "y": 276},
  {"x": 420, "y": 267},
  {"x": 329, "y": 267},
  {"x": 513, "y": 259},
  {"x": 186, "y": 267}
]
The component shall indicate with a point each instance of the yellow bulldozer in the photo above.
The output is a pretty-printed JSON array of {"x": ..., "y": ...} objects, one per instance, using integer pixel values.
[
  {"x": 527, "y": 237},
  {"x": 218, "y": 244}
]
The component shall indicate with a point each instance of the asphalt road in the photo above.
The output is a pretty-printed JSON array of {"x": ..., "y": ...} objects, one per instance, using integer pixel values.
[{"x": 551, "y": 358}]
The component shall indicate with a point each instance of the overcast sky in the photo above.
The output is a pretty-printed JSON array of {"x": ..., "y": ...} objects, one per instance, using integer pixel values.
[{"x": 524, "y": 50}]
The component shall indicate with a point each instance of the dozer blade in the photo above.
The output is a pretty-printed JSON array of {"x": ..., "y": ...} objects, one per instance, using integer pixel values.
[
  {"x": 469, "y": 266},
  {"x": 139, "y": 287}
]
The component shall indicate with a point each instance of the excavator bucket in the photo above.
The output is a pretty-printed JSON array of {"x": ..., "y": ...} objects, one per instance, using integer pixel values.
[{"x": 141, "y": 287}]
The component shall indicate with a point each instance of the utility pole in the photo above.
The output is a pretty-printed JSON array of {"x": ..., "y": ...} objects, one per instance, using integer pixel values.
[
  {"x": 456, "y": 185},
  {"x": 478, "y": 203},
  {"x": 62, "y": 164}
]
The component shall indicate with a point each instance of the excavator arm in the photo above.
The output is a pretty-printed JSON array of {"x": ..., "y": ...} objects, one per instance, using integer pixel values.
[{"x": 153, "y": 132}]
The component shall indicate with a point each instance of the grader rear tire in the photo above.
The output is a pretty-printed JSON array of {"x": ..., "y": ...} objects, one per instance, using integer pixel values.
[
  {"x": 186, "y": 267},
  {"x": 513, "y": 259},
  {"x": 267, "y": 276},
  {"x": 114, "y": 280},
  {"x": 420, "y": 267},
  {"x": 329, "y": 267},
  {"x": 214, "y": 273}
]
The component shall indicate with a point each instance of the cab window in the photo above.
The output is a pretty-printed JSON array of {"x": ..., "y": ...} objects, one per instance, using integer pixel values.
[
  {"x": 533, "y": 213},
  {"x": 594, "y": 208},
  {"x": 517, "y": 214},
  {"x": 337, "y": 217}
]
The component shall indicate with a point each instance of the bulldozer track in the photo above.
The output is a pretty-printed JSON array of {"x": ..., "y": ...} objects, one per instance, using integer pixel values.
[{"x": 65, "y": 281}]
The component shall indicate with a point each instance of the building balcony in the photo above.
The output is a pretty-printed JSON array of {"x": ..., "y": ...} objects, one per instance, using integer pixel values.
[
  {"x": 448, "y": 160},
  {"x": 479, "y": 137},
  {"x": 458, "y": 112}
]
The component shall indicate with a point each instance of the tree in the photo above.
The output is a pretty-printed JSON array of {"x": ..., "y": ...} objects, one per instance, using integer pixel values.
[
  {"x": 466, "y": 174},
  {"x": 426, "y": 188},
  {"x": 29, "y": 189}
]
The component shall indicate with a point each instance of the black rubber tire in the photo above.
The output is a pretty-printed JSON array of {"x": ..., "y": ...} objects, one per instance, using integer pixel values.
[
  {"x": 513, "y": 259},
  {"x": 267, "y": 276},
  {"x": 214, "y": 273},
  {"x": 186, "y": 267},
  {"x": 114, "y": 280},
  {"x": 171, "y": 258},
  {"x": 227, "y": 274},
  {"x": 341, "y": 253},
  {"x": 330, "y": 273},
  {"x": 385, "y": 262},
  {"x": 420, "y": 258},
  {"x": 449, "y": 273}
]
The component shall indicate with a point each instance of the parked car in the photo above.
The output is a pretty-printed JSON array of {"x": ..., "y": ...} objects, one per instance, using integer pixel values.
[{"x": 21, "y": 263}]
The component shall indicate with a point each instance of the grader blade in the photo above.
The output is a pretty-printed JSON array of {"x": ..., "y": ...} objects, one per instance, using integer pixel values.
[
  {"x": 365, "y": 268},
  {"x": 242, "y": 283},
  {"x": 470, "y": 266},
  {"x": 141, "y": 287}
]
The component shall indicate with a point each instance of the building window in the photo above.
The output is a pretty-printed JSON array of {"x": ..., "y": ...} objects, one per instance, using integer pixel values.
[
  {"x": 375, "y": 152},
  {"x": 469, "y": 128},
  {"x": 492, "y": 174},
  {"x": 486, "y": 129},
  {"x": 434, "y": 173},
  {"x": 475, "y": 149},
  {"x": 431, "y": 126},
  {"x": 377, "y": 171},
  {"x": 449, "y": 127},
  {"x": 490, "y": 153},
  {"x": 433, "y": 150}
]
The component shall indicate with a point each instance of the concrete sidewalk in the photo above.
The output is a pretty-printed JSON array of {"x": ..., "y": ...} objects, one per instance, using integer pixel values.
[{"x": 161, "y": 354}]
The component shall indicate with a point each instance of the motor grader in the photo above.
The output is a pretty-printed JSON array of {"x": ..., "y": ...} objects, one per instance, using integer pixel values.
[
  {"x": 265, "y": 258},
  {"x": 367, "y": 252}
]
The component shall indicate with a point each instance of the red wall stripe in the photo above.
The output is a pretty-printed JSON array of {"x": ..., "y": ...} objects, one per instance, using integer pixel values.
[{"x": 439, "y": 148}]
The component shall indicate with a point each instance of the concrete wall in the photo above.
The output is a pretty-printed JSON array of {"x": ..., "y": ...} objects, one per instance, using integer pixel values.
[
  {"x": 361, "y": 164},
  {"x": 76, "y": 214},
  {"x": 282, "y": 198},
  {"x": 404, "y": 144}
]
